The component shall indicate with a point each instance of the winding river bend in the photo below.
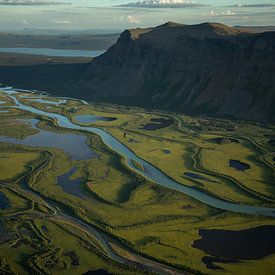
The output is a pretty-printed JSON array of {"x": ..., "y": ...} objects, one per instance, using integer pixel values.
[{"x": 149, "y": 172}]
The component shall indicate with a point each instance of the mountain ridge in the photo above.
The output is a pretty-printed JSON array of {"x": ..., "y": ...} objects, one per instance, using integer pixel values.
[{"x": 208, "y": 68}]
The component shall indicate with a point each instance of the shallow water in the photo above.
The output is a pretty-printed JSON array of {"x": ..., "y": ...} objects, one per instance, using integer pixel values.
[{"x": 74, "y": 145}]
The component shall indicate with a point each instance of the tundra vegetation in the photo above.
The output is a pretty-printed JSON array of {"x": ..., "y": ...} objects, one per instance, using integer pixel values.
[{"x": 45, "y": 230}]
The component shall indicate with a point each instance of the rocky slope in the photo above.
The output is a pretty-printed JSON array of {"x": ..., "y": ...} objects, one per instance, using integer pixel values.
[{"x": 207, "y": 68}]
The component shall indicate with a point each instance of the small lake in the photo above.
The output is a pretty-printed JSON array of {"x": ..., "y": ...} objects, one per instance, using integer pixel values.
[
  {"x": 4, "y": 202},
  {"x": 91, "y": 118},
  {"x": 74, "y": 145},
  {"x": 157, "y": 123},
  {"x": 233, "y": 246},
  {"x": 53, "y": 52},
  {"x": 72, "y": 187},
  {"x": 2, "y": 102},
  {"x": 238, "y": 165}
]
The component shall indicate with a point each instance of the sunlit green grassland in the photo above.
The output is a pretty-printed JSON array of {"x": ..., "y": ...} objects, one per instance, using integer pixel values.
[{"x": 141, "y": 216}]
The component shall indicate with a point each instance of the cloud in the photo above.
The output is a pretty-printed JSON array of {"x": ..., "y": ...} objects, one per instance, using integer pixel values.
[
  {"x": 129, "y": 19},
  {"x": 132, "y": 19},
  {"x": 63, "y": 22},
  {"x": 163, "y": 4},
  {"x": 25, "y": 22},
  {"x": 262, "y": 5},
  {"x": 222, "y": 13},
  {"x": 31, "y": 2}
]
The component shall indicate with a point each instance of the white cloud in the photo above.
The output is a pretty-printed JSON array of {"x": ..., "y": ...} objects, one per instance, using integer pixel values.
[
  {"x": 228, "y": 13},
  {"x": 222, "y": 13},
  {"x": 63, "y": 22},
  {"x": 129, "y": 19},
  {"x": 132, "y": 19},
  {"x": 163, "y": 4},
  {"x": 25, "y": 22},
  {"x": 261, "y": 5}
]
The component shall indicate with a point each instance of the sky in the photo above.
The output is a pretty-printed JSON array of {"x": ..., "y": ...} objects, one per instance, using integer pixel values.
[{"x": 109, "y": 16}]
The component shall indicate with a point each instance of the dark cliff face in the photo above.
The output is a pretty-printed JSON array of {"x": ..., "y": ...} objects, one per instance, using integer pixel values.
[{"x": 207, "y": 68}]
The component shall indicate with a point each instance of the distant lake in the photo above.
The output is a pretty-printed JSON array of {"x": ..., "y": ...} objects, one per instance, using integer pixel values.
[{"x": 53, "y": 52}]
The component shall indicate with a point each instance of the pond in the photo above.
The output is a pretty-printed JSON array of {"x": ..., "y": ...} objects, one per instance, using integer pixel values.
[
  {"x": 4, "y": 202},
  {"x": 72, "y": 187},
  {"x": 158, "y": 123},
  {"x": 238, "y": 165},
  {"x": 233, "y": 246},
  {"x": 92, "y": 119}
]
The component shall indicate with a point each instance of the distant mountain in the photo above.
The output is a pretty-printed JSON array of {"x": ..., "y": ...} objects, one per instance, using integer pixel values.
[{"x": 208, "y": 68}]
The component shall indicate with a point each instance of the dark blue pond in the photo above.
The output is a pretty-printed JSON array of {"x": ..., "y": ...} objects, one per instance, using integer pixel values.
[
  {"x": 232, "y": 246},
  {"x": 4, "y": 202},
  {"x": 238, "y": 165},
  {"x": 72, "y": 187}
]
